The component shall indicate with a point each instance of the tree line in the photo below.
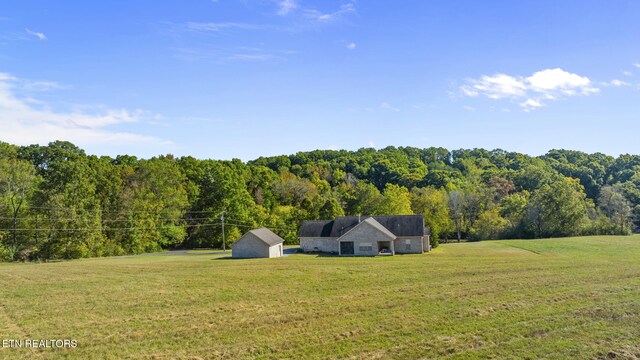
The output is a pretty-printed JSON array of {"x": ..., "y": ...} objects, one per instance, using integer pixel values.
[{"x": 57, "y": 202}]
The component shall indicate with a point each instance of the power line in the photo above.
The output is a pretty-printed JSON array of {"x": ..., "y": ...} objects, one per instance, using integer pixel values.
[
  {"x": 113, "y": 212},
  {"x": 224, "y": 246},
  {"x": 114, "y": 229},
  {"x": 270, "y": 227},
  {"x": 235, "y": 221},
  {"x": 123, "y": 212},
  {"x": 105, "y": 220},
  {"x": 146, "y": 228}
]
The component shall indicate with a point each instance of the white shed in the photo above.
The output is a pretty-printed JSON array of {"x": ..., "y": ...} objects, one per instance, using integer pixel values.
[{"x": 258, "y": 243}]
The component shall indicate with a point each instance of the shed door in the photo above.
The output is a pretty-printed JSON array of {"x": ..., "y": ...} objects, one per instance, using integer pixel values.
[{"x": 346, "y": 248}]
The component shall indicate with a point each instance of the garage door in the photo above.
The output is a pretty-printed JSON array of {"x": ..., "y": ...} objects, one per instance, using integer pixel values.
[{"x": 346, "y": 248}]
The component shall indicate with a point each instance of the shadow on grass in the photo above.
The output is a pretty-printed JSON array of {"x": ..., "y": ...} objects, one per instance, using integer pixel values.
[
  {"x": 317, "y": 254},
  {"x": 287, "y": 252},
  {"x": 177, "y": 252},
  {"x": 228, "y": 257}
]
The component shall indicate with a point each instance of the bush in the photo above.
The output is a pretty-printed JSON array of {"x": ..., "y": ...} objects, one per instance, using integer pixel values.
[{"x": 4, "y": 254}]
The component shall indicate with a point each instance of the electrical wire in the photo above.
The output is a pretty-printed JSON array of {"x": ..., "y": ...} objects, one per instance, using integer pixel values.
[
  {"x": 234, "y": 221},
  {"x": 116, "y": 229},
  {"x": 114, "y": 212},
  {"x": 105, "y": 220}
]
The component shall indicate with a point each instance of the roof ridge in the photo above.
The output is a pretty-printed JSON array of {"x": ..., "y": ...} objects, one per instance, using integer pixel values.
[
  {"x": 266, "y": 236},
  {"x": 399, "y": 225},
  {"x": 373, "y": 222}
]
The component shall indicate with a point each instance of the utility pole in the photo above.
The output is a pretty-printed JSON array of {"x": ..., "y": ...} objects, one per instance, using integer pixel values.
[
  {"x": 37, "y": 240},
  {"x": 224, "y": 246}
]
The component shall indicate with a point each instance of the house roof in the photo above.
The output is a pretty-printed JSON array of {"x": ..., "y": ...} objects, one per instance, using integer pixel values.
[
  {"x": 372, "y": 222},
  {"x": 398, "y": 225},
  {"x": 267, "y": 236},
  {"x": 316, "y": 228}
]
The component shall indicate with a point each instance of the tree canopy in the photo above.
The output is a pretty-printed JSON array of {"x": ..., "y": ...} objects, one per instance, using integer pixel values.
[{"x": 58, "y": 202}]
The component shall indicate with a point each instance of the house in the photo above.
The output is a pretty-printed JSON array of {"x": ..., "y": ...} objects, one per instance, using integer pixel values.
[
  {"x": 366, "y": 236},
  {"x": 258, "y": 243}
]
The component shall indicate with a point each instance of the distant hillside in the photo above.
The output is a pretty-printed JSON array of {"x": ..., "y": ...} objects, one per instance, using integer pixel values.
[{"x": 58, "y": 202}]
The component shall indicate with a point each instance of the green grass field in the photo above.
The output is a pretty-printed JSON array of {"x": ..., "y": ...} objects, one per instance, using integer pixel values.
[{"x": 560, "y": 298}]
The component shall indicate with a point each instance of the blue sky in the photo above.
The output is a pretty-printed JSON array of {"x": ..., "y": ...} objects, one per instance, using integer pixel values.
[{"x": 242, "y": 79}]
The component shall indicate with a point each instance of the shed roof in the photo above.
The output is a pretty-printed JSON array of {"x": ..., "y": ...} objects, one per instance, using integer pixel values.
[
  {"x": 267, "y": 236},
  {"x": 398, "y": 225}
]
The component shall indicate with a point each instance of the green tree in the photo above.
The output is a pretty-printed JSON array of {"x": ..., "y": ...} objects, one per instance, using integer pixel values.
[
  {"x": 66, "y": 199},
  {"x": 109, "y": 185},
  {"x": 617, "y": 208},
  {"x": 490, "y": 225},
  {"x": 395, "y": 200},
  {"x": 294, "y": 191},
  {"x": 432, "y": 203},
  {"x": 457, "y": 200},
  {"x": 18, "y": 181},
  {"x": 513, "y": 208},
  {"x": 362, "y": 198},
  {"x": 222, "y": 189},
  {"x": 558, "y": 209},
  {"x": 155, "y": 201}
]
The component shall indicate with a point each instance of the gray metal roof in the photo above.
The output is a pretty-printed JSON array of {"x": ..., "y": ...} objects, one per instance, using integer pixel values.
[
  {"x": 399, "y": 225},
  {"x": 267, "y": 236}
]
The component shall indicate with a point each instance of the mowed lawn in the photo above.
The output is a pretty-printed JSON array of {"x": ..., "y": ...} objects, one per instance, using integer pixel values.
[{"x": 557, "y": 298}]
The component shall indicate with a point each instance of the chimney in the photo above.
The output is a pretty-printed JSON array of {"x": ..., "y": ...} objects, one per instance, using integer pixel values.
[{"x": 358, "y": 218}]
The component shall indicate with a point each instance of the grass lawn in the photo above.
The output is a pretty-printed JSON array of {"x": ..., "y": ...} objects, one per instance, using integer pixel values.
[{"x": 560, "y": 298}]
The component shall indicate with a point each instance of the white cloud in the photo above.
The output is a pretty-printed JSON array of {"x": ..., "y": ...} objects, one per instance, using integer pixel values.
[
  {"x": 637, "y": 65},
  {"x": 534, "y": 90},
  {"x": 39, "y": 35},
  {"x": 387, "y": 106},
  {"x": 329, "y": 17},
  {"x": 467, "y": 90},
  {"x": 24, "y": 124},
  {"x": 251, "y": 57},
  {"x": 6, "y": 77},
  {"x": 531, "y": 104},
  {"x": 617, "y": 82},
  {"x": 351, "y": 46},
  {"x": 215, "y": 27},
  {"x": 497, "y": 86},
  {"x": 283, "y": 8},
  {"x": 286, "y": 6},
  {"x": 42, "y": 85},
  {"x": 627, "y": 73},
  {"x": 559, "y": 80},
  {"x": 240, "y": 53}
]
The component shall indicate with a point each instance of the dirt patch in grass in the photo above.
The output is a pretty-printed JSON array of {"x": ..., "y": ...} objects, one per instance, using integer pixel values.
[{"x": 627, "y": 352}]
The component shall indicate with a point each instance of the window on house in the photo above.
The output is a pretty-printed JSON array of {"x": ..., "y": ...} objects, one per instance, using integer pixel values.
[{"x": 365, "y": 247}]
